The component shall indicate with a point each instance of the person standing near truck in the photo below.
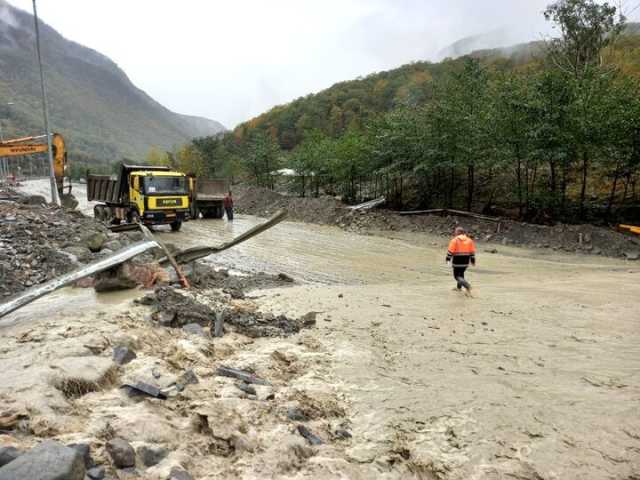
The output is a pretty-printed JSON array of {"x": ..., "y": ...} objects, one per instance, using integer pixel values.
[
  {"x": 461, "y": 253},
  {"x": 228, "y": 206}
]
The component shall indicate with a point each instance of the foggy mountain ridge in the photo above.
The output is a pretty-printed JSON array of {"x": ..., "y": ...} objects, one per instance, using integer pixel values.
[{"x": 92, "y": 102}]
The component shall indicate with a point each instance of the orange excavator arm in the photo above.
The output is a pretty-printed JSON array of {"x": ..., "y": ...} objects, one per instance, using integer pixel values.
[{"x": 17, "y": 147}]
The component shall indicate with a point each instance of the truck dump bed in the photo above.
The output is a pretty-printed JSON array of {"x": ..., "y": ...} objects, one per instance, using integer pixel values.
[
  {"x": 104, "y": 188},
  {"x": 212, "y": 189}
]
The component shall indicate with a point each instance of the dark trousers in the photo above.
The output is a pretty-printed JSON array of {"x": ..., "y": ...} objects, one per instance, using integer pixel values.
[
  {"x": 458, "y": 274},
  {"x": 229, "y": 212}
]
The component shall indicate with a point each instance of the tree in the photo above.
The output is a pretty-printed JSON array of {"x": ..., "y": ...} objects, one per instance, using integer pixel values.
[{"x": 587, "y": 27}]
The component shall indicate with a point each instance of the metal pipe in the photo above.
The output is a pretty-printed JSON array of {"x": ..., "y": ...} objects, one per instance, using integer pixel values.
[{"x": 45, "y": 111}]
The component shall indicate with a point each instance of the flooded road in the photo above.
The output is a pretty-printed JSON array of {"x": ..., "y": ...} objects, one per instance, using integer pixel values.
[{"x": 538, "y": 376}]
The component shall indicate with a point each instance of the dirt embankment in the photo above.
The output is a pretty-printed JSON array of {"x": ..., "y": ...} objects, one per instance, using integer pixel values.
[{"x": 588, "y": 239}]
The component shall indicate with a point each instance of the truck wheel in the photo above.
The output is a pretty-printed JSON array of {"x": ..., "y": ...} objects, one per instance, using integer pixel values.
[
  {"x": 97, "y": 212},
  {"x": 219, "y": 212},
  {"x": 175, "y": 226},
  {"x": 133, "y": 217}
]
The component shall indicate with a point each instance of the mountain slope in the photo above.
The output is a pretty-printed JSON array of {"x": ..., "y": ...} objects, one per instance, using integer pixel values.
[
  {"x": 91, "y": 100},
  {"x": 351, "y": 104}
]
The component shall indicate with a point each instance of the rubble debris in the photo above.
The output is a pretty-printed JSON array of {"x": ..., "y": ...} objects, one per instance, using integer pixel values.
[
  {"x": 242, "y": 375},
  {"x": 95, "y": 241},
  {"x": 204, "y": 276},
  {"x": 246, "y": 388},
  {"x": 48, "y": 461},
  {"x": 8, "y": 455},
  {"x": 151, "y": 455},
  {"x": 189, "y": 377},
  {"x": 144, "y": 389},
  {"x": 297, "y": 415},
  {"x": 121, "y": 452},
  {"x": 68, "y": 278},
  {"x": 175, "y": 309},
  {"x": 123, "y": 355},
  {"x": 310, "y": 437}
]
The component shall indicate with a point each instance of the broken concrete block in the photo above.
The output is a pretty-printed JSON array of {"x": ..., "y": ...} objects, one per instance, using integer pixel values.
[
  {"x": 151, "y": 455},
  {"x": 123, "y": 355},
  {"x": 8, "y": 455},
  {"x": 297, "y": 415},
  {"x": 122, "y": 453},
  {"x": 48, "y": 461}
]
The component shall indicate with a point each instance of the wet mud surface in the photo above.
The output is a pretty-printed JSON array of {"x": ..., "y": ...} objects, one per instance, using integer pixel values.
[{"x": 536, "y": 377}]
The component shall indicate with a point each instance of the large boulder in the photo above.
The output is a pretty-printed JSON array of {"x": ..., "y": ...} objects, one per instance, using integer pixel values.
[{"x": 48, "y": 461}]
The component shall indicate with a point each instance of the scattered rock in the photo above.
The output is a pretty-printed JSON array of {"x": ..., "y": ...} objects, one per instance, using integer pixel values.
[
  {"x": 95, "y": 241},
  {"x": 310, "y": 437},
  {"x": 8, "y": 455},
  {"x": 633, "y": 256},
  {"x": 123, "y": 355},
  {"x": 121, "y": 277},
  {"x": 34, "y": 200},
  {"x": 85, "y": 450},
  {"x": 113, "y": 245},
  {"x": 194, "y": 329},
  {"x": 151, "y": 455},
  {"x": 297, "y": 415},
  {"x": 189, "y": 377},
  {"x": 48, "y": 461},
  {"x": 492, "y": 250},
  {"x": 179, "y": 474},
  {"x": 285, "y": 278},
  {"x": 96, "y": 473},
  {"x": 122, "y": 453}
]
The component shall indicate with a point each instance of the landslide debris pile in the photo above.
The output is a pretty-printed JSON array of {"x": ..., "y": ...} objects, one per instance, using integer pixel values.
[
  {"x": 587, "y": 239},
  {"x": 176, "y": 308},
  {"x": 39, "y": 242}
]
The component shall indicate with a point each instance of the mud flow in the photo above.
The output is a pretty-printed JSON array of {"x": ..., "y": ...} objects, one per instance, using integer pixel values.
[{"x": 537, "y": 376}]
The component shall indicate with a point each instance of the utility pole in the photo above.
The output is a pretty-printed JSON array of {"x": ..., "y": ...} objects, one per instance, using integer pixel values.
[
  {"x": 45, "y": 111},
  {"x": 4, "y": 162}
]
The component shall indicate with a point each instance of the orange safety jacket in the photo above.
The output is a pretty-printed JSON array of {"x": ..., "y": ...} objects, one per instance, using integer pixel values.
[{"x": 462, "y": 250}]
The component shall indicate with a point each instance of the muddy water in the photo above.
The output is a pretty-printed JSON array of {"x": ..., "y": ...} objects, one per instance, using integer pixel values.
[{"x": 538, "y": 376}]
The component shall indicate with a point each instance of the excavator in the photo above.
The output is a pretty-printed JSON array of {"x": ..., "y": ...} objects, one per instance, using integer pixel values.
[{"x": 19, "y": 146}]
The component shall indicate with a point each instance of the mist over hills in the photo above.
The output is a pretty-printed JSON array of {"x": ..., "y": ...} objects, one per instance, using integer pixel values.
[{"x": 92, "y": 102}]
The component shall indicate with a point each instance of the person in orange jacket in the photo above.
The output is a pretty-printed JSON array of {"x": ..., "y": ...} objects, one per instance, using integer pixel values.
[{"x": 461, "y": 253}]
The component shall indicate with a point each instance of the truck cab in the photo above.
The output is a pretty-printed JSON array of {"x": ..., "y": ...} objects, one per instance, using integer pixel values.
[{"x": 159, "y": 197}]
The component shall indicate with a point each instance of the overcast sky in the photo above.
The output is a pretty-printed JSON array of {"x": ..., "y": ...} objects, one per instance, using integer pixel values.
[{"x": 233, "y": 59}]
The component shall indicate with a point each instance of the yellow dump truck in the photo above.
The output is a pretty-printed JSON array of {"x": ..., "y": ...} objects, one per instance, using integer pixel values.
[{"x": 152, "y": 195}]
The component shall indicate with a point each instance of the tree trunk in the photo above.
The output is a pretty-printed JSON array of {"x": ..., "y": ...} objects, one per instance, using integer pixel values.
[
  {"x": 583, "y": 189},
  {"x": 470, "y": 185},
  {"x": 612, "y": 195},
  {"x": 519, "y": 177}
]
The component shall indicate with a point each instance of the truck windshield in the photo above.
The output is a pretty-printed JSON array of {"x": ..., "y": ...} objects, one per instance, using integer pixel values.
[{"x": 170, "y": 185}]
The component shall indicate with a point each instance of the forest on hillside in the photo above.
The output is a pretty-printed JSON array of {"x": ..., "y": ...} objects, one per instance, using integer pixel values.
[{"x": 549, "y": 131}]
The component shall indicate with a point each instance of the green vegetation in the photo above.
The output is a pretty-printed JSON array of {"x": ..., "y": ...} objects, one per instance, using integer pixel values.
[{"x": 545, "y": 131}]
